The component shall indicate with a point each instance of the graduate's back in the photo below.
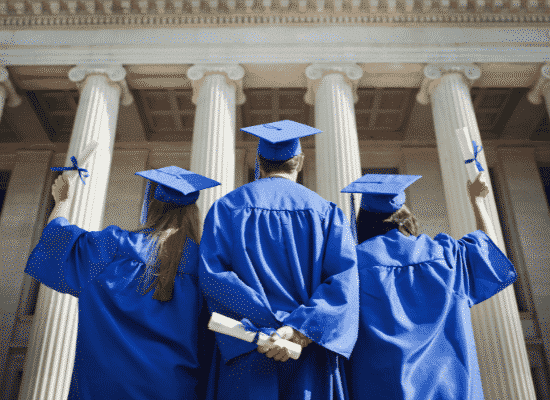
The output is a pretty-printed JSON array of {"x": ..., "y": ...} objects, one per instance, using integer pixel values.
[
  {"x": 134, "y": 342},
  {"x": 279, "y": 230},
  {"x": 276, "y": 253},
  {"x": 129, "y": 345},
  {"x": 415, "y": 335}
]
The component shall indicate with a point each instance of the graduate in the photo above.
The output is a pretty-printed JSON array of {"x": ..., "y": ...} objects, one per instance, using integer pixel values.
[
  {"x": 141, "y": 324},
  {"x": 415, "y": 335},
  {"x": 278, "y": 255}
]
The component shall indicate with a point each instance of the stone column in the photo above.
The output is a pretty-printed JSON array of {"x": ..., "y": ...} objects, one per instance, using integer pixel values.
[
  {"x": 7, "y": 91},
  {"x": 541, "y": 88},
  {"x": 20, "y": 226},
  {"x": 525, "y": 204},
  {"x": 502, "y": 356},
  {"x": 217, "y": 89},
  {"x": 333, "y": 90},
  {"x": 50, "y": 356}
]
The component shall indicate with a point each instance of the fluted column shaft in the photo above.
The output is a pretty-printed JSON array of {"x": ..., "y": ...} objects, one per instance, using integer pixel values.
[
  {"x": 337, "y": 157},
  {"x": 502, "y": 356},
  {"x": 525, "y": 202},
  {"x": 217, "y": 90},
  {"x": 50, "y": 356}
]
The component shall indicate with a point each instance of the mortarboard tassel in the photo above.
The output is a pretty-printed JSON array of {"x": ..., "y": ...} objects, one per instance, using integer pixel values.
[
  {"x": 145, "y": 207},
  {"x": 256, "y": 169},
  {"x": 353, "y": 220}
]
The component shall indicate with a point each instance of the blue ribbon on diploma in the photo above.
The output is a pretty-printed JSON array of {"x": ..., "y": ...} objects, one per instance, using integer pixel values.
[
  {"x": 250, "y": 327},
  {"x": 74, "y": 168},
  {"x": 477, "y": 150}
]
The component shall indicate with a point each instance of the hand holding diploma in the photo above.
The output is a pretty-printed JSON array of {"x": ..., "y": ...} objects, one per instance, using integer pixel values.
[
  {"x": 279, "y": 348},
  {"x": 477, "y": 185},
  {"x": 272, "y": 349},
  {"x": 62, "y": 185}
]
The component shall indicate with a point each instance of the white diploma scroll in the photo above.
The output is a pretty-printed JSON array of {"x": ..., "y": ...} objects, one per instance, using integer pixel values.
[
  {"x": 71, "y": 175},
  {"x": 228, "y": 326},
  {"x": 467, "y": 148}
]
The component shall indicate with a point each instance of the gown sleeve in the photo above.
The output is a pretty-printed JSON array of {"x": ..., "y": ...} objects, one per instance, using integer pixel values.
[
  {"x": 482, "y": 268},
  {"x": 331, "y": 316},
  {"x": 224, "y": 291},
  {"x": 67, "y": 257}
]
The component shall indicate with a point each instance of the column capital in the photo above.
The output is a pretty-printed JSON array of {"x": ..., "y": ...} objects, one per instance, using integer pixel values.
[
  {"x": 115, "y": 75},
  {"x": 13, "y": 98},
  {"x": 541, "y": 87},
  {"x": 315, "y": 72},
  {"x": 434, "y": 72},
  {"x": 233, "y": 74}
]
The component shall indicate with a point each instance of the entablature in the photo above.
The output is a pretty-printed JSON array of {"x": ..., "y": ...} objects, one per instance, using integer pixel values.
[{"x": 55, "y": 14}]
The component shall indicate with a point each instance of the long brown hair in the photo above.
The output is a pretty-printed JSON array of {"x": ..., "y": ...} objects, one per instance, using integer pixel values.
[{"x": 171, "y": 225}]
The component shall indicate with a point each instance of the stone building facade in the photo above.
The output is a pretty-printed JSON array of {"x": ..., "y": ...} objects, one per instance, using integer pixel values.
[{"x": 395, "y": 86}]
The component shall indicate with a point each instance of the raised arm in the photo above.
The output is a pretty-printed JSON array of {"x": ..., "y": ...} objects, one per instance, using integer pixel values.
[{"x": 60, "y": 193}]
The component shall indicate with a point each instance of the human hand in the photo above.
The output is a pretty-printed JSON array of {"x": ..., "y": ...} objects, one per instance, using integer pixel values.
[
  {"x": 279, "y": 353},
  {"x": 479, "y": 187},
  {"x": 60, "y": 189}
]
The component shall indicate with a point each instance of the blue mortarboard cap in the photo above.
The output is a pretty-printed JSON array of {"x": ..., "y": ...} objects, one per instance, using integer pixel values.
[
  {"x": 175, "y": 185},
  {"x": 279, "y": 140},
  {"x": 382, "y": 193}
]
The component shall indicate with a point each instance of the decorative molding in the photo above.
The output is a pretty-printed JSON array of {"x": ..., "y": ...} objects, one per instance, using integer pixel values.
[
  {"x": 234, "y": 75},
  {"x": 541, "y": 87},
  {"x": 433, "y": 72},
  {"x": 315, "y": 72},
  {"x": 29, "y": 14},
  {"x": 13, "y": 98},
  {"x": 115, "y": 74},
  {"x": 277, "y": 44}
]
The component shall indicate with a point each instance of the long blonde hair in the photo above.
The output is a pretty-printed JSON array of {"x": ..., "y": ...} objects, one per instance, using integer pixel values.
[{"x": 171, "y": 225}]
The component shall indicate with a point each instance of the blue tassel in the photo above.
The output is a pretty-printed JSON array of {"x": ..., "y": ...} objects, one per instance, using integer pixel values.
[
  {"x": 145, "y": 207},
  {"x": 256, "y": 169},
  {"x": 353, "y": 222}
]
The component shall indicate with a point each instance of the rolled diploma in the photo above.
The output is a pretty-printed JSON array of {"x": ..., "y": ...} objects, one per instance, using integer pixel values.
[
  {"x": 467, "y": 148},
  {"x": 228, "y": 326},
  {"x": 82, "y": 160}
]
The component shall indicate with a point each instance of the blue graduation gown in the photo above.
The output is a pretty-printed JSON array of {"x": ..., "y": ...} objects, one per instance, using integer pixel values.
[
  {"x": 415, "y": 335},
  {"x": 278, "y": 254},
  {"x": 129, "y": 346}
]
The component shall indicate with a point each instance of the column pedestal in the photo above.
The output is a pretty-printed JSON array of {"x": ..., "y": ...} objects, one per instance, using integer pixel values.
[
  {"x": 50, "y": 356},
  {"x": 502, "y": 356}
]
